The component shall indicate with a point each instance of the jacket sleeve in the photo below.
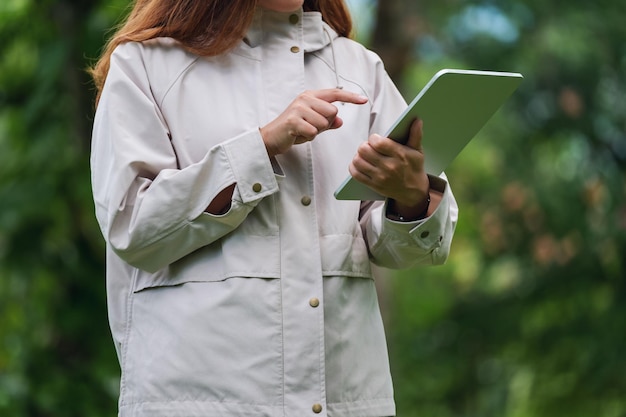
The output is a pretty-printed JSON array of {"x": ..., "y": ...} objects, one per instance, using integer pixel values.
[
  {"x": 150, "y": 211},
  {"x": 400, "y": 245}
]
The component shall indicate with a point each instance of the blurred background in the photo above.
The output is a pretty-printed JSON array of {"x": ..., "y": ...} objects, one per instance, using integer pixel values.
[{"x": 527, "y": 318}]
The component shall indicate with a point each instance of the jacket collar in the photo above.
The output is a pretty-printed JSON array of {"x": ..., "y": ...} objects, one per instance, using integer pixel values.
[{"x": 315, "y": 33}]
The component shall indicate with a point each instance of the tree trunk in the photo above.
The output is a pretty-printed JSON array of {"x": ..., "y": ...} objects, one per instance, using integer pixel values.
[{"x": 396, "y": 31}]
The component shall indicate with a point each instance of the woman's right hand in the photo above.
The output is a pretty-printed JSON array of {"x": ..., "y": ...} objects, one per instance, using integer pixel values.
[{"x": 310, "y": 114}]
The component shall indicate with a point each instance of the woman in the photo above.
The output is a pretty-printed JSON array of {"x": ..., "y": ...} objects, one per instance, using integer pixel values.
[{"x": 237, "y": 284}]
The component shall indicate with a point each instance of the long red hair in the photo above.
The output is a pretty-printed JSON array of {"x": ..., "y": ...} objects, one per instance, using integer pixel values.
[{"x": 204, "y": 27}]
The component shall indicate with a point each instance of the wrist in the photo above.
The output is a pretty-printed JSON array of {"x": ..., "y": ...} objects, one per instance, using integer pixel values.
[
  {"x": 270, "y": 146},
  {"x": 402, "y": 213}
]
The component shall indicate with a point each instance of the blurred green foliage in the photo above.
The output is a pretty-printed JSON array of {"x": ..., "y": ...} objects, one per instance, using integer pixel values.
[
  {"x": 527, "y": 319},
  {"x": 56, "y": 358}
]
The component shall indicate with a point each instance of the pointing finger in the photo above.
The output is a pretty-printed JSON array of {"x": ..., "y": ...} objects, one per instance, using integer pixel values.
[{"x": 336, "y": 94}]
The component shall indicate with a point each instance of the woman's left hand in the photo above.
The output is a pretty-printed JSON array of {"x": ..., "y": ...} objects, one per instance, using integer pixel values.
[{"x": 394, "y": 170}]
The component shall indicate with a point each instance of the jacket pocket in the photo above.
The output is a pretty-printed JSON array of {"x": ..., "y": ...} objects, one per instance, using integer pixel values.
[
  {"x": 204, "y": 344},
  {"x": 345, "y": 255},
  {"x": 235, "y": 255}
]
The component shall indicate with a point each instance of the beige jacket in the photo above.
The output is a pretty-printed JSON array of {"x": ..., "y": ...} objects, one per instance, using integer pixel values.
[{"x": 269, "y": 309}]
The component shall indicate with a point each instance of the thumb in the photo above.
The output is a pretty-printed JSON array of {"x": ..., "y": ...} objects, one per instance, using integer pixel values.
[
  {"x": 415, "y": 135},
  {"x": 336, "y": 123}
]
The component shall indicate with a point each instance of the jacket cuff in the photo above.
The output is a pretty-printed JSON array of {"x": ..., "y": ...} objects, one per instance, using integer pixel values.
[
  {"x": 427, "y": 233},
  {"x": 251, "y": 166}
]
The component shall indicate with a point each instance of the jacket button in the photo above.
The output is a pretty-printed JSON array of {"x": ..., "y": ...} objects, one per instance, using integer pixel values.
[
  {"x": 293, "y": 19},
  {"x": 256, "y": 187},
  {"x": 306, "y": 200},
  {"x": 314, "y": 302},
  {"x": 425, "y": 234},
  {"x": 295, "y": 49},
  {"x": 317, "y": 408}
]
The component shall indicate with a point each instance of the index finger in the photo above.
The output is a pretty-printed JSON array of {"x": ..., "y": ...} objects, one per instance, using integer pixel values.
[{"x": 337, "y": 94}]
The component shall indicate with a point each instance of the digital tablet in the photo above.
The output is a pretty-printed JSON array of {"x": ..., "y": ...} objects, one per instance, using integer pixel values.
[{"x": 454, "y": 106}]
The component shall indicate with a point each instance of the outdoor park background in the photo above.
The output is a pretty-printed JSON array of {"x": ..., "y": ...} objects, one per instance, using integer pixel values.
[{"x": 528, "y": 317}]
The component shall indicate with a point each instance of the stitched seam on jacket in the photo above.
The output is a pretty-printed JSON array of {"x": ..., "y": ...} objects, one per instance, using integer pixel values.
[
  {"x": 363, "y": 401},
  {"x": 134, "y": 403},
  {"x": 175, "y": 80},
  {"x": 128, "y": 324}
]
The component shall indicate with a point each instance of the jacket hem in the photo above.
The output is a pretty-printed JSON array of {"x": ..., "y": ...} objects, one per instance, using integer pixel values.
[
  {"x": 197, "y": 409},
  {"x": 370, "y": 408},
  {"x": 366, "y": 408}
]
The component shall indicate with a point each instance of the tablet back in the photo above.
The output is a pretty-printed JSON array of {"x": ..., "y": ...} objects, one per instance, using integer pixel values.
[{"x": 454, "y": 106}]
